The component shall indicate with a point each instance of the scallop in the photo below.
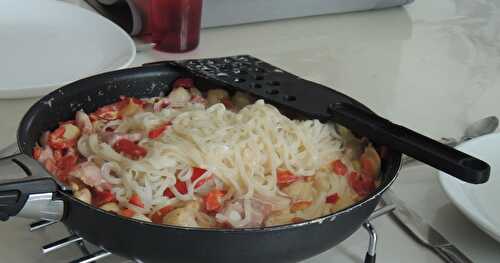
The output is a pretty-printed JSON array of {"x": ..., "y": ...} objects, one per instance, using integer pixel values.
[
  {"x": 83, "y": 195},
  {"x": 215, "y": 96},
  {"x": 179, "y": 97}
]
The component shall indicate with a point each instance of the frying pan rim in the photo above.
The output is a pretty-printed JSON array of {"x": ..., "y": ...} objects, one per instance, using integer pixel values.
[{"x": 319, "y": 220}]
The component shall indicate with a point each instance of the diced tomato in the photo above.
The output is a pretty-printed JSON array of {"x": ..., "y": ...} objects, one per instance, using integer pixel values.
[
  {"x": 300, "y": 205},
  {"x": 113, "y": 111},
  {"x": 339, "y": 167},
  {"x": 197, "y": 172},
  {"x": 297, "y": 220},
  {"x": 157, "y": 217},
  {"x": 37, "y": 151},
  {"x": 156, "y": 132},
  {"x": 102, "y": 197},
  {"x": 127, "y": 212},
  {"x": 136, "y": 200},
  {"x": 332, "y": 199},
  {"x": 183, "y": 82},
  {"x": 362, "y": 184},
  {"x": 65, "y": 165},
  {"x": 108, "y": 113},
  {"x": 57, "y": 141},
  {"x": 286, "y": 177},
  {"x": 180, "y": 186},
  {"x": 130, "y": 149},
  {"x": 213, "y": 201}
]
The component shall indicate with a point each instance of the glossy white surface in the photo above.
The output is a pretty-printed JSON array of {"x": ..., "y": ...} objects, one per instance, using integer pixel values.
[
  {"x": 479, "y": 202},
  {"x": 432, "y": 66},
  {"x": 45, "y": 44}
]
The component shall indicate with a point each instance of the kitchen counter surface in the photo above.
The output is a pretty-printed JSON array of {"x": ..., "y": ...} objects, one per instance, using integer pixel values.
[{"x": 432, "y": 66}]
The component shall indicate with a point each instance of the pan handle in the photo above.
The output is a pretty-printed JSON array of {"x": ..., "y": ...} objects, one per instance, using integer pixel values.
[
  {"x": 27, "y": 190},
  {"x": 418, "y": 146}
]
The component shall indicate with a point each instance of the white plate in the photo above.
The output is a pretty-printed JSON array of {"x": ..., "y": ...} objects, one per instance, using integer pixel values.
[
  {"x": 45, "y": 44},
  {"x": 480, "y": 203}
]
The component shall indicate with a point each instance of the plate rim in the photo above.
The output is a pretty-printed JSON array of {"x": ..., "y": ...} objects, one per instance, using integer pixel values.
[
  {"x": 445, "y": 180},
  {"x": 36, "y": 90}
]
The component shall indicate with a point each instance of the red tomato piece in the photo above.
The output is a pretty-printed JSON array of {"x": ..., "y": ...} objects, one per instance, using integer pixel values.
[
  {"x": 197, "y": 172},
  {"x": 57, "y": 141},
  {"x": 37, "y": 151},
  {"x": 183, "y": 82},
  {"x": 127, "y": 212},
  {"x": 109, "y": 113},
  {"x": 157, "y": 217},
  {"x": 180, "y": 186},
  {"x": 136, "y": 200},
  {"x": 339, "y": 167},
  {"x": 286, "y": 177},
  {"x": 102, "y": 197},
  {"x": 362, "y": 184},
  {"x": 65, "y": 165},
  {"x": 130, "y": 149},
  {"x": 156, "y": 132},
  {"x": 213, "y": 201},
  {"x": 332, "y": 199}
]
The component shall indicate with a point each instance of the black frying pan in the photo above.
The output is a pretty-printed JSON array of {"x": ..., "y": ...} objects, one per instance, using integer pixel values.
[{"x": 159, "y": 243}]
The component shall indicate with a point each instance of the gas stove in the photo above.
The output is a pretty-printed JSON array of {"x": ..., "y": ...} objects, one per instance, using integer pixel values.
[{"x": 86, "y": 252}]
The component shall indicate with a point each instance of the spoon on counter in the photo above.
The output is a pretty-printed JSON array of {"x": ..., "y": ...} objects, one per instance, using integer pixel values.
[{"x": 479, "y": 128}]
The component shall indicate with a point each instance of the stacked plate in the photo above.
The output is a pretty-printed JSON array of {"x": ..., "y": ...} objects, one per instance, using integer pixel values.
[{"x": 48, "y": 43}]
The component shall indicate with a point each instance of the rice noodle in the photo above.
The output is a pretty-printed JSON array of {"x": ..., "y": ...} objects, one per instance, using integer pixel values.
[
  {"x": 242, "y": 150},
  {"x": 201, "y": 150}
]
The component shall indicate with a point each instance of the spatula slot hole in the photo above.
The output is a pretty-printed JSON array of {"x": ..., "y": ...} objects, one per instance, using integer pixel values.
[
  {"x": 274, "y": 83},
  {"x": 272, "y": 91}
]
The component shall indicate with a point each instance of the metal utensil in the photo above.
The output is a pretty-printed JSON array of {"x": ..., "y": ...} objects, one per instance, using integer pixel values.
[
  {"x": 422, "y": 231},
  {"x": 478, "y": 128}
]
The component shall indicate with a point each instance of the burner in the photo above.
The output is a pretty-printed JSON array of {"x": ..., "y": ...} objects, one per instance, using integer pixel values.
[{"x": 101, "y": 253}]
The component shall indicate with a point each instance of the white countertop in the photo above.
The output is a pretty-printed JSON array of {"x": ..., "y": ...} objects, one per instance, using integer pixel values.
[{"x": 432, "y": 66}]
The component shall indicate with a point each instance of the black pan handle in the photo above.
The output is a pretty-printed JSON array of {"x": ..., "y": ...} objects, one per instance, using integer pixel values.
[
  {"x": 27, "y": 189},
  {"x": 418, "y": 146}
]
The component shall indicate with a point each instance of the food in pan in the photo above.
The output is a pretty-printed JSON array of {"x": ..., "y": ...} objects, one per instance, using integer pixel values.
[{"x": 210, "y": 160}]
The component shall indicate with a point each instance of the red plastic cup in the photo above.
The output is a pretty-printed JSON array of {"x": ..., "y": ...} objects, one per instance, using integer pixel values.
[{"x": 175, "y": 24}]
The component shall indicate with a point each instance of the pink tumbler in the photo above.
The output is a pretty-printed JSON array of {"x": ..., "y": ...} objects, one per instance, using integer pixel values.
[{"x": 175, "y": 24}]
